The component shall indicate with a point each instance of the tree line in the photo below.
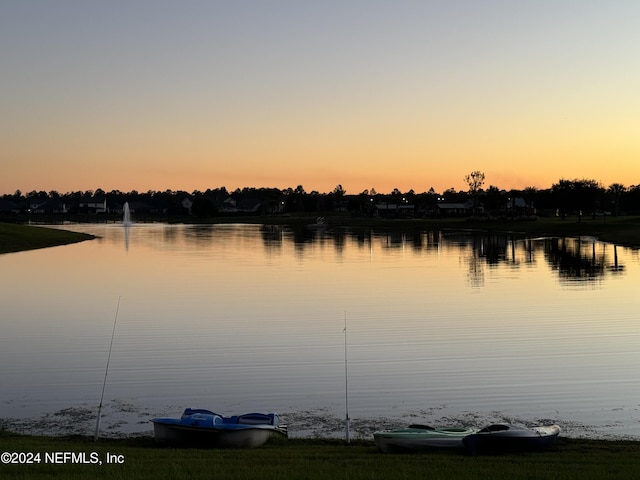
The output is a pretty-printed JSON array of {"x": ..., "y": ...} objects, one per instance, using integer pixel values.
[{"x": 566, "y": 197}]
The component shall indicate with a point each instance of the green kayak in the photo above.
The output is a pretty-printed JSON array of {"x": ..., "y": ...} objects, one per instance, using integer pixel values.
[{"x": 418, "y": 438}]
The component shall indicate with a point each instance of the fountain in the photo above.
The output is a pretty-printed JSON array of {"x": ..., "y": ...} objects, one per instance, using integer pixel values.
[
  {"x": 126, "y": 219},
  {"x": 126, "y": 222}
]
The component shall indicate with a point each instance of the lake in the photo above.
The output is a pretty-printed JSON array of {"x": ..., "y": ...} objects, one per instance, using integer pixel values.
[{"x": 438, "y": 328}]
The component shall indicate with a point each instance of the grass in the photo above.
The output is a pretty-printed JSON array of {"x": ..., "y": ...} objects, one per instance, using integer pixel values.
[
  {"x": 16, "y": 238},
  {"x": 312, "y": 459}
]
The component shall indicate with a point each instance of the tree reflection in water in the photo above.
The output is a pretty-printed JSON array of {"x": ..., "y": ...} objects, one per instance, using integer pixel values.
[{"x": 574, "y": 259}]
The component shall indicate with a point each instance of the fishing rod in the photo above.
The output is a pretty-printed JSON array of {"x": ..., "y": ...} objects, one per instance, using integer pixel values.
[
  {"x": 106, "y": 371},
  {"x": 346, "y": 381}
]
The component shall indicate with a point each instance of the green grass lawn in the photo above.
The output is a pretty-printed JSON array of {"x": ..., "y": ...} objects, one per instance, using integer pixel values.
[
  {"x": 141, "y": 458},
  {"x": 15, "y": 238}
]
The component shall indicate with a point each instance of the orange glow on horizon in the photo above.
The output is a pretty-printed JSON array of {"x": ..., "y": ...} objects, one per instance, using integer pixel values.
[{"x": 213, "y": 96}]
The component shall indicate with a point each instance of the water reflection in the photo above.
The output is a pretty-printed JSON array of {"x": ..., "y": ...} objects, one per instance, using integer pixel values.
[
  {"x": 577, "y": 259},
  {"x": 616, "y": 267},
  {"x": 573, "y": 259},
  {"x": 260, "y": 310}
]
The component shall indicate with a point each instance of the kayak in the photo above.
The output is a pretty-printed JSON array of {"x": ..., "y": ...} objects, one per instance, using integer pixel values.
[
  {"x": 418, "y": 438},
  {"x": 500, "y": 438}
]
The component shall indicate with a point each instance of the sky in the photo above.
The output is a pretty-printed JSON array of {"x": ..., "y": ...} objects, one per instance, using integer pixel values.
[{"x": 190, "y": 95}]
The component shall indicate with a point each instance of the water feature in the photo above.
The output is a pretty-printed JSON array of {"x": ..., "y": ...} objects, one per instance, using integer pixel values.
[
  {"x": 126, "y": 222},
  {"x": 126, "y": 217},
  {"x": 443, "y": 328}
]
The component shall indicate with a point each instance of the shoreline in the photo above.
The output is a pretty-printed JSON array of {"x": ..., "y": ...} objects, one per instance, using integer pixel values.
[{"x": 122, "y": 419}]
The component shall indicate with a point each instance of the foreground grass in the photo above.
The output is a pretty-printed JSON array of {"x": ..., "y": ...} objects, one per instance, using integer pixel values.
[
  {"x": 15, "y": 238},
  {"x": 314, "y": 459}
]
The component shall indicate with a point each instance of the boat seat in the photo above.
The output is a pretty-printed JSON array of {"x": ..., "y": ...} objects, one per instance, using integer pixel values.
[
  {"x": 423, "y": 427},
  {"x": 259, "y": 419},
  {"x": 191, "y": 411},
  {"x": 201, "y": 420}
]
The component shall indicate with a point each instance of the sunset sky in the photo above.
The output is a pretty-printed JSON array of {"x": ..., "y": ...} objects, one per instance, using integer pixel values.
[{"x": 190, "y": 95}]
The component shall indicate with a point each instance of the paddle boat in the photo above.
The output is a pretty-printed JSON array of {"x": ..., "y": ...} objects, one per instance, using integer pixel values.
[
  {"x": 204, "y": 428},
  {"x": 418, "y": 438},
  {"x": 499, "y": 438}
]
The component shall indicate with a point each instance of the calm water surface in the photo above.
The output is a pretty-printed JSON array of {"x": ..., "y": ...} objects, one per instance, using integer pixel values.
[{"x": 442, "y": 328}]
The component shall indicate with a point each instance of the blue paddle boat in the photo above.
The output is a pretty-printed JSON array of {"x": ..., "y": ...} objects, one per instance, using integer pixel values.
[{"x": 204, "y": 428}]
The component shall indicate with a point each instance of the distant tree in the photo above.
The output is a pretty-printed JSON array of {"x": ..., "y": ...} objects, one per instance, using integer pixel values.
[
  {"x": 410, "y": 196},
  {"x": 426, "y": 203},
  {"x": 632, "y": 199},
  {"x": 589, "y": 195},
  {"x": 529, "y": 194},
  {"x": 339, "y": 191},
  {"x": 396, "y": 196},
  {"x": 615, "y": 191},
  {"x": 494, "y": 199},
  {"x": 475, "y": 180},
  {"x": 576, "y": 196},
  {"x": 203, "y": 207},
  {"x": 298, "y": 197},
  {"x": 365, "y": 202},
  {"x": 337, "y": 196},
  {"x": 563, "y": 195}
]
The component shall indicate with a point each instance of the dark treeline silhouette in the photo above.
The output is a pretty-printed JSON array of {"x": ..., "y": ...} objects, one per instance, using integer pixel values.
[{"x": 579, "y": 197}]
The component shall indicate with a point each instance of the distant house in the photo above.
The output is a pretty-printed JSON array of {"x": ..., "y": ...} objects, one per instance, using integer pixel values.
[
  {"x": 93, "y": 204},
  {"x": 48, "y": 206},
  {"x": 245, "y": 205},
  {"x": 36, "y": 202},
  {"x": 455, "y": 209},
  {"x": 393, "y": 210},
  {"x": 519, "y": 206}
]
